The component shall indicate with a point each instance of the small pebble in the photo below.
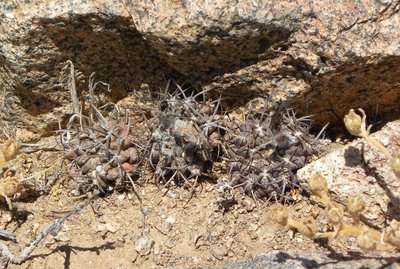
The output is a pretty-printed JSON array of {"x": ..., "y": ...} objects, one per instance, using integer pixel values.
[
  {"x": 144, "y": 246},
  {"x": 163, "y": 210},
  {"x": 219, "y": 252},
  {"x": 145, "y": 211},
  {"x": 121, "y": 197},
  {"x": 111, "y": 228},
  {"x": 170, "y": 243},
  {"x": 170, "y": 221}
]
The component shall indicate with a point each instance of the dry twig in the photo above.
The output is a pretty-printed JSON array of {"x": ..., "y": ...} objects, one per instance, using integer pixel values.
[{"x": 53, "y": 229}]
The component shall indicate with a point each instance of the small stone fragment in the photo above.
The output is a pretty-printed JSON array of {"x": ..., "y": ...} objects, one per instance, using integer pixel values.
[
  {"x": 170, "y": 221},
  {"x": 112, "y": 174},
  {"x": 144, "y": 246},
  {"x": 219, "y": 252}
]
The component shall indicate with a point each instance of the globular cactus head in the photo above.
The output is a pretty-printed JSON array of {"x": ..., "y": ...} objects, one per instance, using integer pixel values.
[
  {"x": 266, "y": 150},
  {"x": 103, "y": 153},
  {"x": 186, "y": 136}
]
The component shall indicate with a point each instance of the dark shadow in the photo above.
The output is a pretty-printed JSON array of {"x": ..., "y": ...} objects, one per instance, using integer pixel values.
[
  {"x": 37, "y": 103},
  {"x": 332, "y": 260},
  {"x": 67, "y": 249},
  {"x": 216, "y": 51},
  {"x": 227, "y": 204},
  {"x": 336, "y": 258},
  {"x": 18, "y": 216},
  {"x": 358, "y": 82},
  {"x": 111, "y": 46},
  {"x": 353, "y": 157},
  {"x": 106, "y": 44}
]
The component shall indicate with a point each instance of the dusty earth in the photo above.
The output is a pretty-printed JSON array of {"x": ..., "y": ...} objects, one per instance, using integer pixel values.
[
  {"x": 178, "y": 232},
  {"x": 171, "y": 228}
]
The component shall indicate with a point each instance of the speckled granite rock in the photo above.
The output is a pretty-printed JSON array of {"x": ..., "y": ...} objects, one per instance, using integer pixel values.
[
  {"x": 36, "y": 39},
  {"x": 303, "y": 260},
  {"x": 322, "y": 56},
  {"x": 359, "y": 169}
]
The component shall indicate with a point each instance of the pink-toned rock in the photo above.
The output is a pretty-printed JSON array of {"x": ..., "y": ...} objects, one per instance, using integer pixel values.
[
  {"x": 360, "y": 169},
  {"x": 323, "y": 57}
]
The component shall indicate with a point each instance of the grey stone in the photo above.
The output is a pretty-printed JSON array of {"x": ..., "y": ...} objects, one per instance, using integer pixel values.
[
  {"x": 301, "y": 260},
  {"x": 323, "y": 57}
]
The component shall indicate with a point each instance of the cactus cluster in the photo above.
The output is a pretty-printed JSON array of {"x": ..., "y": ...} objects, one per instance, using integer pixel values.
[
  {"x": 265, "y": 151},
  {"x": 186, "y": 135},
  {"x": 103, "y": 153}
]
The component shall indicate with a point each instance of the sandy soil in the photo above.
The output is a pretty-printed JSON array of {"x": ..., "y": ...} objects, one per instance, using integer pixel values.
[{"x": 167, "y": 230}]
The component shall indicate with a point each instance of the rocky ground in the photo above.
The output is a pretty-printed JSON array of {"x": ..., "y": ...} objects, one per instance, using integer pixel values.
[
  {"x": 321, "y": 58},
  {"x": 170, "y": 230}
]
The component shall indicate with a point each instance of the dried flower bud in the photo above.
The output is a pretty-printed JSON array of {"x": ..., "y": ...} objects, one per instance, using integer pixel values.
[
  {"x": 395, "y": 164},
  {"x": 366, "y": 241},
  {"x": 355, "y": 124},
  {"x": 355, "y": 206},
  {"x": 335, "y": 214},
  {"x": 280, "y": 213},
  {"x": 9, "y": 151},
  {"x": 318, "y": 185},
  {"x": 308, "y": 228}
]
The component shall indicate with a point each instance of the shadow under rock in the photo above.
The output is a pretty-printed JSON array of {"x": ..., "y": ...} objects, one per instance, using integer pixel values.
[
  {"x": 335, "y": 258},
  {"x": 283, "y": 260}
]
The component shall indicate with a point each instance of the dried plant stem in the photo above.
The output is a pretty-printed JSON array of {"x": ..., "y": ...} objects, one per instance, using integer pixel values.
[
  {"x": 379, "y": 146},
  {"x": 356, "y": 231},
  {"x": 72, "y": 85},
  {"x": 54, "y": 228}
]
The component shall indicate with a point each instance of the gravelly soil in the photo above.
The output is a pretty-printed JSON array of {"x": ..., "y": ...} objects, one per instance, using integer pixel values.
[{"x": 179, "y": 232}]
